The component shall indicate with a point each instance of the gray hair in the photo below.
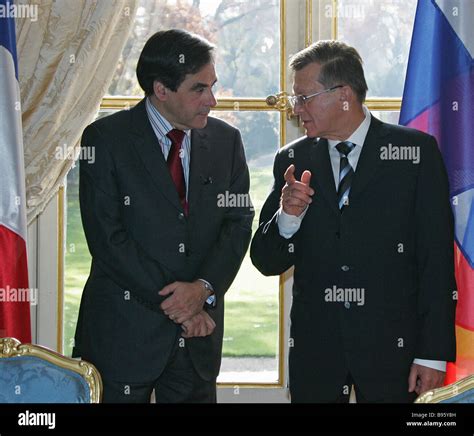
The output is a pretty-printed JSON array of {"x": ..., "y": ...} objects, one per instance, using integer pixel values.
[{"x": 340, "y": 63}]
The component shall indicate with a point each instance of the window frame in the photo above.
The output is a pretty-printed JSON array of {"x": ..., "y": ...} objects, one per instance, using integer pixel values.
[{"x": 314, "y": 29}]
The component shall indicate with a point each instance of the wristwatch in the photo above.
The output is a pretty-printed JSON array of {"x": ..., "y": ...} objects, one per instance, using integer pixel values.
[{"x": 211, "y": 300}]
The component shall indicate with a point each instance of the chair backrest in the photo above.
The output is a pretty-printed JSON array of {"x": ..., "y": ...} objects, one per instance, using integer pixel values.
[
  {"x": 461, "y": 391},
  {"x": 35, "y": 374}
]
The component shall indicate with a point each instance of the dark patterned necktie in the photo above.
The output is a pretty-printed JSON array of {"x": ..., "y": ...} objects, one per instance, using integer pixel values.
[
  {"x": 345, "y": 174},
  {"x": 175, "y": 166}
]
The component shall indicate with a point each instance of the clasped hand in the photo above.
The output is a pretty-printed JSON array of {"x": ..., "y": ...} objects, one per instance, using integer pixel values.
[{"x": 184, "y": 306}]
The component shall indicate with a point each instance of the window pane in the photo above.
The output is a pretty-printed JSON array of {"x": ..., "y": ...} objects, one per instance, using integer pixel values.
[
  {"x": 250, "y": 352},
  {"x": 77, "y": 260},
  {"x": 246, "y": 34},
  {"x": 251, "y": 319},
  {"x": 381, "y": 32},
  {"x": 387, "y": 116}
]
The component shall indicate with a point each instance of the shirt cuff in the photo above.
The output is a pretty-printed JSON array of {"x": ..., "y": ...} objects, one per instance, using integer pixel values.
[
  {"x": 288, "y": 225},
  {"x": 440, "y": 365}
]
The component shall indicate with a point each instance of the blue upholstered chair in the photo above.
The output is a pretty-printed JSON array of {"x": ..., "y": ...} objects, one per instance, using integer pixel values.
[
  {"x": 461, "y": 391},
  {"x": 35, "y": 374}
]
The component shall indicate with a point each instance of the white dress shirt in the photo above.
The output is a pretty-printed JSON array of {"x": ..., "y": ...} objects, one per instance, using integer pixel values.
[{"x": 161, "y": 126}]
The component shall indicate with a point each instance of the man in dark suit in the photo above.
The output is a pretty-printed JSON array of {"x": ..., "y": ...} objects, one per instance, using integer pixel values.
[
  {"x": 164, "y": 249},
  {"x": 361, "y": 209}
]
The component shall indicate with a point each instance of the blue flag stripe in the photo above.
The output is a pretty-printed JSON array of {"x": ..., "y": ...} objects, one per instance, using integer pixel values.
[{"x": 8, "y": 34}]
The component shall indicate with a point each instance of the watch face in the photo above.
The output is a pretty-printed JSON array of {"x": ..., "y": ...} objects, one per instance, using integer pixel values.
[{"x": 211, "y": 299}]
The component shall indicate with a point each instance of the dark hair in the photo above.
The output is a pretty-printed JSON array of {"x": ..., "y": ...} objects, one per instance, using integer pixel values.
[
  {"x": 169, "y": 55},
  {"x": 340, "y": 63}
]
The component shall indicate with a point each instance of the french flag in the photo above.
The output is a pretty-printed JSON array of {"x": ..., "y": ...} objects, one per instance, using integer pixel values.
[
  {"x": 14, "y": 310},
  {"x": 439, "y": 99}
]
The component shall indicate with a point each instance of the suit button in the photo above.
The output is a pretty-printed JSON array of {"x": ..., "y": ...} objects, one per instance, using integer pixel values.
[
  {"x": 181, "y": 216},
  {"x": 345, "y": 268},
  {"x": 338, "y": 235},
  {"x": 347, "y": 305}
]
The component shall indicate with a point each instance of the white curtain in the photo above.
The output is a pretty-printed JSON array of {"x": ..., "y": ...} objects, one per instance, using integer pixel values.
[{"x": 67, "y": 59}]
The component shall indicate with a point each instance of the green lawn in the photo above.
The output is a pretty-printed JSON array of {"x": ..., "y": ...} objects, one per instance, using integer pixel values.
[{"x": 251, "y": 321}]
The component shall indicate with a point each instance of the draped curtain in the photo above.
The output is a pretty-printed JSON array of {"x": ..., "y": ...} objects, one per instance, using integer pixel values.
[{"x": 67, "y": 58}]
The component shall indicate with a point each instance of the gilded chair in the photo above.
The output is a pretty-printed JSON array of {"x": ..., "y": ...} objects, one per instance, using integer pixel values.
[
  {"x": 35, "y": 374},
  {"x": 461, "y": 391}
]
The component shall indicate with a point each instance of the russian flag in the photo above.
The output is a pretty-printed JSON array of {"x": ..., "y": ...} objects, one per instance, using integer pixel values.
[
  {"x": 14, "y": 307},
  {"x": 439, "y": 99}
]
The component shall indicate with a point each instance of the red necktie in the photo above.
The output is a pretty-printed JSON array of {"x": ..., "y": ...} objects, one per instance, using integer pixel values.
[{"x": 175, "y": 166}]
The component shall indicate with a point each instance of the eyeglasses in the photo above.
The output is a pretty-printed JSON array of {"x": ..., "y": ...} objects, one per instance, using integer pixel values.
[{"x": 302, "y": 99}]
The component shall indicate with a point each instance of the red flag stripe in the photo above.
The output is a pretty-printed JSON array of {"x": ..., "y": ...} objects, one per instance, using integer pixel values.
[
  {"x": 464, "y": 365},
  {"x": 465, "y": 283},
  {"x": 13, "y": 277}
]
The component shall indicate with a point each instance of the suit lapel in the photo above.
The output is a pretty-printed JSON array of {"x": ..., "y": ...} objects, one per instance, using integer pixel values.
[
  {"x": 369, "y": 160},
  {"x": 148, "y": 148},
  {"x": 199, "y": 171},
  {"x": 322, "y": 172}
]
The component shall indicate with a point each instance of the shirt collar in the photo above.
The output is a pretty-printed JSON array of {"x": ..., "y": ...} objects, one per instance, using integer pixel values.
[
  {"x": 358, "y": 136},
  {"x": 160, "y": 124}
]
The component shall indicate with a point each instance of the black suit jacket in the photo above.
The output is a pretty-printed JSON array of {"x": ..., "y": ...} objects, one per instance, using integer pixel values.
[
  {"x": 140, "y": 241},
  {"x": 394, "y": 240}
]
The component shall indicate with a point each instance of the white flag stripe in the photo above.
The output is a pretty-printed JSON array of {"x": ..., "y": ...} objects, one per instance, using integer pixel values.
[
  {"x": 12, "y": 171},
  {"x": 460, "y": 14}
]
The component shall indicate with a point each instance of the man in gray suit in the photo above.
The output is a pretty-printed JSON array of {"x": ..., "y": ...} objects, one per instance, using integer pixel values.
[{"x": 164, "y": 249}]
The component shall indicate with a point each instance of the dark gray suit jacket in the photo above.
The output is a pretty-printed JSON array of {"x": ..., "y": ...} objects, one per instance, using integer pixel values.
[
  {"x": 141, "y": 241},
  {"x": 394, "y": 240}
]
